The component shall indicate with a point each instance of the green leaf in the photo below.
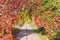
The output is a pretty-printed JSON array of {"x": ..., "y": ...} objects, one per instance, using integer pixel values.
[
  {"x": 57, "y": 12},
  {"x": 32, "y": 0}
]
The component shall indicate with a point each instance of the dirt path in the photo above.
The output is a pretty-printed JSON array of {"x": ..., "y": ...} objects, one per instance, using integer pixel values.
[{"x": 27, "y": 33}]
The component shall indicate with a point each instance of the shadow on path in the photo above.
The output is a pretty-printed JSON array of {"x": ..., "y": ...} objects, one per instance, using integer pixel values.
[{"x": 26, "y": 32}]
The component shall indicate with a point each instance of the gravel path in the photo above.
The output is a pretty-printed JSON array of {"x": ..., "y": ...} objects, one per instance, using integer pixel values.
[{"x": 27, "y": 33}]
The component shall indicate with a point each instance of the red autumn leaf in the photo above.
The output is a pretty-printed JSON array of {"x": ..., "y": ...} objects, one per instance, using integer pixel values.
[
  {"x": 38, "y": 21},
  {"x": 7, "y": 37},
  {"x": 1, "y": 1},
  {"x": 49, "y": 34}
]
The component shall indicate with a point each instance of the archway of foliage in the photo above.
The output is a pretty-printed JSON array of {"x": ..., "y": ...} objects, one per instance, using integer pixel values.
[{"x": 46, "y": 14}]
